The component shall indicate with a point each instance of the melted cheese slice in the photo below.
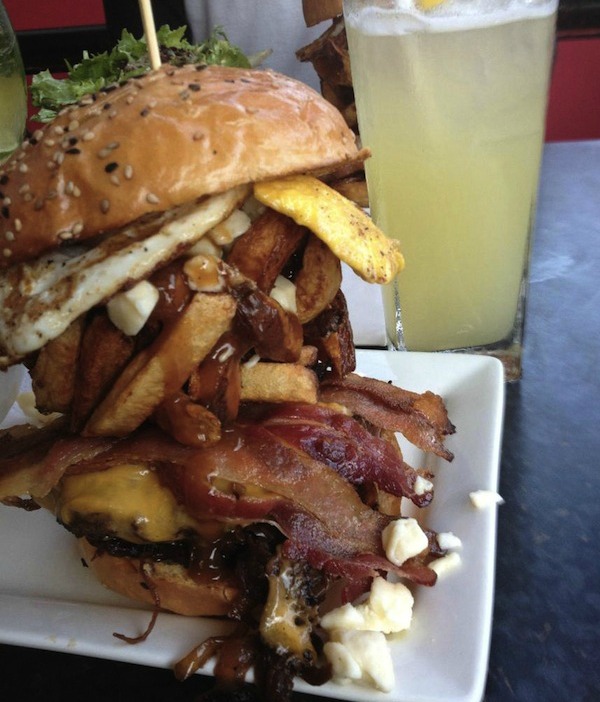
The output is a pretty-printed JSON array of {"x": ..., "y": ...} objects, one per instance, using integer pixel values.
[{"x": 129, "y": 499}]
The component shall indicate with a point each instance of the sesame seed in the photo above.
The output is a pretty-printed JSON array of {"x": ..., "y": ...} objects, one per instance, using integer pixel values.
[
  {"x": 152, "y": 199},
  {"x": 24, "y": 188},
  {"x": 9, "y": 236},
  {"x": 59, "y": 130},
  {"x": 86, "y": 101},
  {"x": 69, "y": 187},
  {"x": 198, "y": 136},
  {"x": 103, "y": 153},
  {"x": 76, "y": 191},
  {"x": 27, "y": 143},
  {"x": 23, "y": 168},
  {"x": 64, "y": 236},
  {"x": 7, "y": 253},
  {"x": 58, "y": 157},
  {"x": 3, "y": 179},
  {"x": 194, "y": 87},
  {"x": 7, "y": 202},
  {"x": 129, "y": 99},
  {"x": 51, "y": 165},
  {"x": 28, "y": 197},
  {"x": 77, "y": 228},
  {"x": 88, "y": 136},
  {"x": 4, "y": 211},
  {"x": 73, "y": 125},
  {"x": 113, "y": 145},
  {"x": 145, "y": 112},
  {"x": 184, "y": 94},
  {"x": 49, "y": 142},
  {"x": 74, "y": 150},
  {"x": 128, "y": 171},
  {"x": 115, "y": 180},
  {"x": 110, "y": 167},
  {"x": 106, "y": 106},
  {"x": 18, "y": 224},
  {"x": 104, "y": 206},
  {"x": 21, "y": 155},
  {"x": 37, "y": 135},
  {"x": 112, "y": 114}
]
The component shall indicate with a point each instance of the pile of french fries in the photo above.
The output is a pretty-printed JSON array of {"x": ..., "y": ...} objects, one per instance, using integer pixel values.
[{"x": 232, "y": 344}]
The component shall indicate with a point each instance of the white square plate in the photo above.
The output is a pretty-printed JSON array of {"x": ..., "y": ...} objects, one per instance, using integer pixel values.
[{"x": 48, "y": 600}]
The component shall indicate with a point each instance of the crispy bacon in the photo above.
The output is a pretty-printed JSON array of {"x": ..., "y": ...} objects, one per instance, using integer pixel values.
[
  {"x": 252, "y": 475},
  {"x": 421, "y": 418},
  {"x": 346, "y": 446},
  {"x": 34, "y": 460}
]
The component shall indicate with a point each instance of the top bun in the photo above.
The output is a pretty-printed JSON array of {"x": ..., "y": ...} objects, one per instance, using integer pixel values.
[{"x": 158, "y": 141}]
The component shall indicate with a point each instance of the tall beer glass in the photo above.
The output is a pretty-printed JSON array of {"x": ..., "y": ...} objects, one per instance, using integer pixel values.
[
  {"x": 451, "y": 98},
  {"x": 13, "y": 92}
]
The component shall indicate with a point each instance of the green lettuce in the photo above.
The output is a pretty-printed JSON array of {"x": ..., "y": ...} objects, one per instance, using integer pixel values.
[{"x": 129, "y": 58}]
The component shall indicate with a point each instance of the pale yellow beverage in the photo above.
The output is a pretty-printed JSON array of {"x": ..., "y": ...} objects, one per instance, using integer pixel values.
[
  {"x": 453, "y": 109},
  {"x": 13, "y": 111},
  {"x": 13, "y": 94}
]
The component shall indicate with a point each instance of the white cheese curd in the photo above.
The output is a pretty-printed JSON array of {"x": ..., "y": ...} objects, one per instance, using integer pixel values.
[
  {"x": 387, "y": 609},
  {"x": 446, "y": 564},
  {"x": 229, "y": 229},
  {"x": 129, "y": 310},
  {"x": 481, "y": 499},
  {"x": 361, "y": 656},
  {"x": 284, "y": 292},
  {"x": 205, "y": 247},
  {"x": 403, "y": 539},
  {"x": 422, "y": 485},
  {"x": 448, "y": 541}
]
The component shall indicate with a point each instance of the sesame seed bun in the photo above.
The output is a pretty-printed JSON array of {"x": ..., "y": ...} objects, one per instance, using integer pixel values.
[
  {"x": 175, "y": 589},
  {"x": 162, "y": 140}
]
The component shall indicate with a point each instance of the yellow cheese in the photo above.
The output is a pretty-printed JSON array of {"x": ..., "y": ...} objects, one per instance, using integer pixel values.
[{"x": 130, "y": 498}]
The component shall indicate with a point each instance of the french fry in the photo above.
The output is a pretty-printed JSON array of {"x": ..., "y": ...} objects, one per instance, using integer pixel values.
[
  {"x": 216, "y": 381},
  {"x": 278, "y": 382},
  {"x": 104, "y": 353},
  {"x": 161, "y": 369},
  {"x": 275, "y": 333},
  {"x": 187, "y": 422},
  {"x": 331, "y": 333},
  {"x": 262, "y": 251},
  {"x": 53, "y": 376},
  {"x": 309, "y": 355},
  {"x": 318, "y": 281}
]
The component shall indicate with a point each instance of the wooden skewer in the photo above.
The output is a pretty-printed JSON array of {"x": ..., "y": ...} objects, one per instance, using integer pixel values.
[{"x": 150, "y": 33}]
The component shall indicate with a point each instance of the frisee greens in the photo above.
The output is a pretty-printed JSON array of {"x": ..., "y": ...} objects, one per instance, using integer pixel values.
[{"x": 127, "y": 59}]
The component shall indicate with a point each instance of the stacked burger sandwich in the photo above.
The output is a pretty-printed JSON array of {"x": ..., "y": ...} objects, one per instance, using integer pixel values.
[{"x": 170, "y": 275}]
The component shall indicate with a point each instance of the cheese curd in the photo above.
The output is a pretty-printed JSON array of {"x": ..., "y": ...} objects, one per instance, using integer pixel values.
[
  {"x": 284, "y": 292},
  {"x": 361, "y": 656},
  {"x": 403, "y": 539},
  {"x": 129, "y": 310},
  {"x": 387, "y": 609},
  {"x": 481, "y": 499}
]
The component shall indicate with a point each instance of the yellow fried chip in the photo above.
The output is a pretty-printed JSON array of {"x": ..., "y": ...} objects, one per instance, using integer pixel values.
[{"x": 345, "y": 228}]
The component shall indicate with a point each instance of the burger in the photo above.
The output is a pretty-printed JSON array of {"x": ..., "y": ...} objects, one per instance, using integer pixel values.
[{"x": 170, "y": 276}]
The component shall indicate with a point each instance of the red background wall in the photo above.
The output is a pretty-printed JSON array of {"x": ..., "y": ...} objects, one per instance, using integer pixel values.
[{"x": 574, "y": 103}]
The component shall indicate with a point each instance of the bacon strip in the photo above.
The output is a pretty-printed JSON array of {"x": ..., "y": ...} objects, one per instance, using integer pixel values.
[
  {"x": 346, "y": 446},
  {"x": 421, "y": 418}
]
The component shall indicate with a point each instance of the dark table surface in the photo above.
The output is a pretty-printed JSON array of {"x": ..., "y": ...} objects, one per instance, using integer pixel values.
[{"x": 546, "y": 630}]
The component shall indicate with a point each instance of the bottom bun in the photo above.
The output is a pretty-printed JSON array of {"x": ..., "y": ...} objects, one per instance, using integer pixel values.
[{"x": 168, "y": 585}]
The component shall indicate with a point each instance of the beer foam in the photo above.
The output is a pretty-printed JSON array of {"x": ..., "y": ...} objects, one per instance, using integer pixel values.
[{"x": 405, "y": 16}]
